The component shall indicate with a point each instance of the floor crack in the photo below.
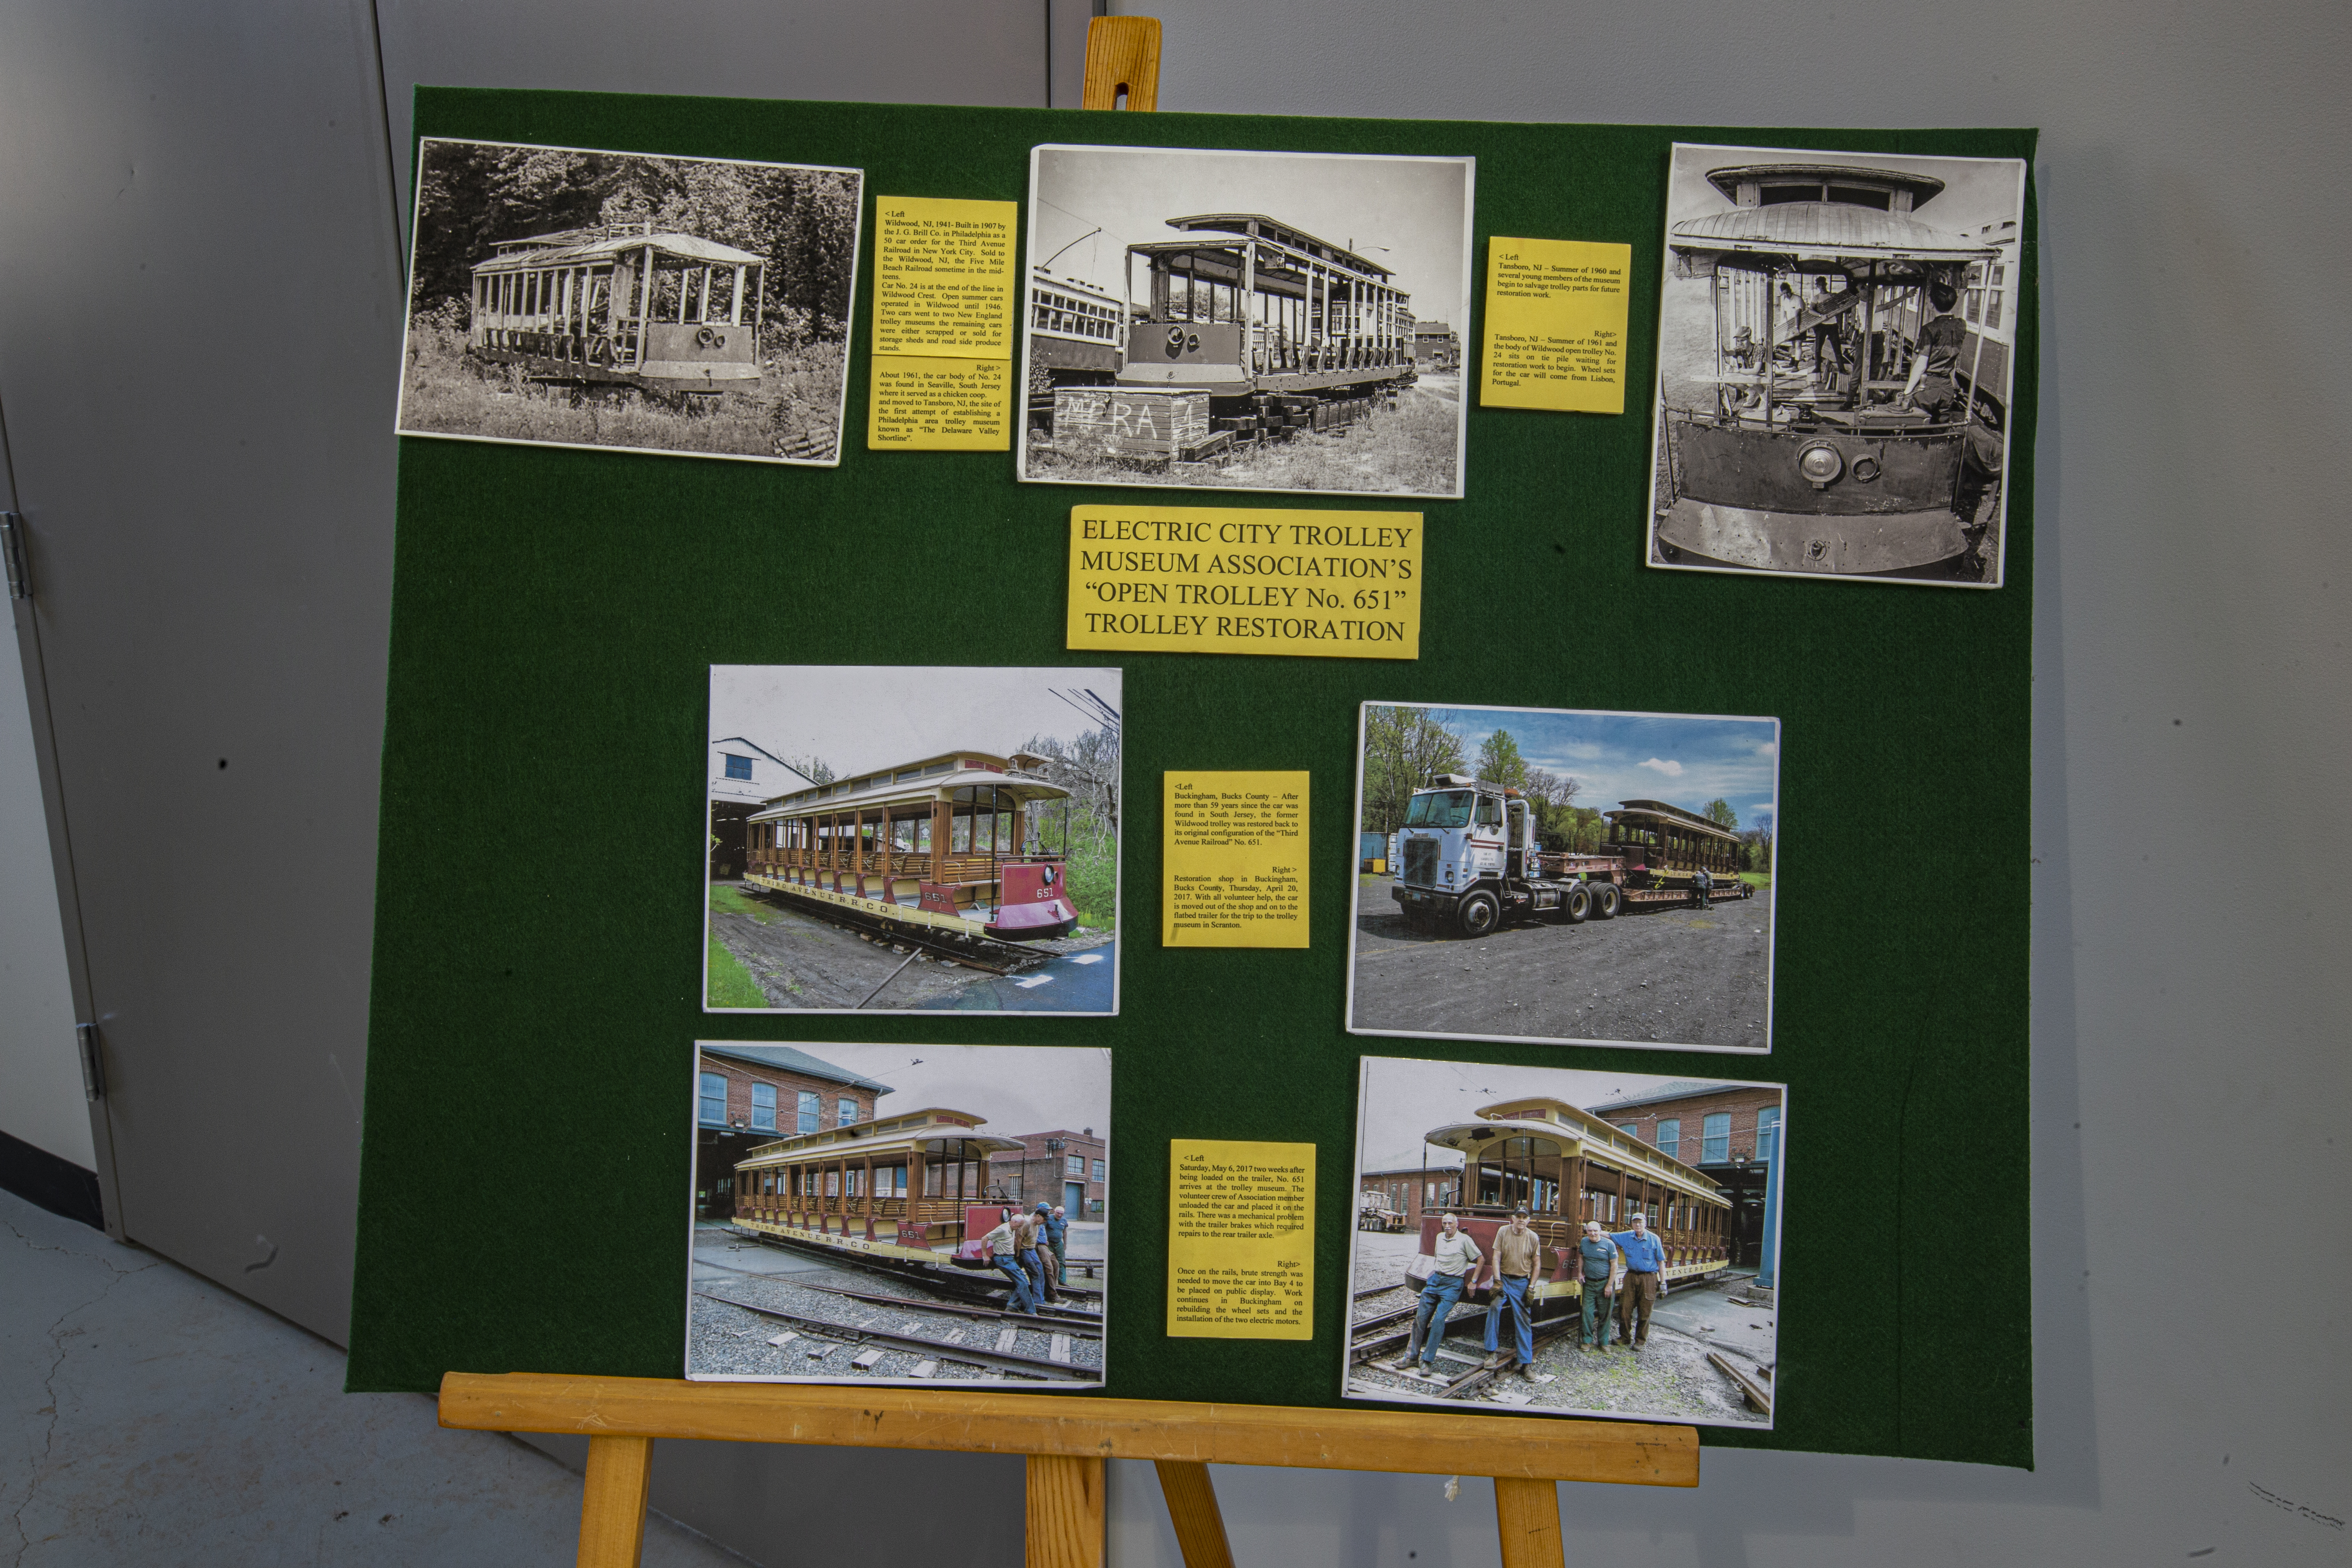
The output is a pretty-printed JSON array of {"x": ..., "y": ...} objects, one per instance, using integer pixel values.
[{"x": 57, "y": 1333}]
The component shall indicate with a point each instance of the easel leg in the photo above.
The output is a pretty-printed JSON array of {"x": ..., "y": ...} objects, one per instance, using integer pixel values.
[
  {"x": 1192, "y": 1506},
  {"x": 1527, "y": 1516},
  {"x": 613, "y": 1504},
  {"x": 1066, "y": 1512}
]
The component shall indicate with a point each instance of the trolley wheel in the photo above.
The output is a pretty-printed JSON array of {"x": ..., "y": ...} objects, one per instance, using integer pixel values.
[
  {"x": 1478, "y": 914},
  {"x": 1606, "y": 900},
  {"x": 1576, "y": 904}
]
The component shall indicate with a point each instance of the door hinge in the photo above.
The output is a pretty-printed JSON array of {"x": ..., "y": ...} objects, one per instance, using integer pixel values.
[
  {"x": 93, "y": 1066},
  {"x": 12, "y": 546}
]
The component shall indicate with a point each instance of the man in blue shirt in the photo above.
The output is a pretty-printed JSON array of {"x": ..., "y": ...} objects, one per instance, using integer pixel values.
[
  {"x": 1058, "y": 1231},
  {"x": 1597, "y": 1258},
  {"x": 1645, "y": 1257}
]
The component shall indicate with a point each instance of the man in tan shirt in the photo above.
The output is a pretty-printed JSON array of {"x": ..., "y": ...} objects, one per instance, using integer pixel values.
[{"x": 1519, "y": 1255}]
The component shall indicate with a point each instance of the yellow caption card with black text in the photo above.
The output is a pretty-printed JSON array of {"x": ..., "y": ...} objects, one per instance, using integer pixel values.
[
  {"x": 1241, "y": 1240},
  {"x": 1235, "y": 852},
  {"x": 943, "y": 307},
  {"x": 1192, "y": 579},
  {"x": 1555, "y": 325}
]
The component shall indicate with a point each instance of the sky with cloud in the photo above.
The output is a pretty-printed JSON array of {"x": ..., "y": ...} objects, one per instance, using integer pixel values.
[
  {"x": 1681, "y": 760},
  {"x": 1017, "y": 1088}
]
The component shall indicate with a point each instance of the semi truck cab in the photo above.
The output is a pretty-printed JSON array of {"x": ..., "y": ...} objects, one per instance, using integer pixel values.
[{"x": 1468, "y": 857}]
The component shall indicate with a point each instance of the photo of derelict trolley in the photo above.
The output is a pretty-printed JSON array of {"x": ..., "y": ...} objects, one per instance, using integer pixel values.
[
  {"x": 1834, "y": 368},
  {"x": 1244, "y": 320}
]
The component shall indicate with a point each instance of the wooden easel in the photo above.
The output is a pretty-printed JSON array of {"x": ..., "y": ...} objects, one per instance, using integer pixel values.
[{"x": 1067, "y": 1439}]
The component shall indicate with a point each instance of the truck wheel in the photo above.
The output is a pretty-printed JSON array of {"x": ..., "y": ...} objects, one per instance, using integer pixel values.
[
  {"x": 1478, "y": 914},
  {"x": 1606, "y": 900},
  {"x": 1576, "y": 904}
]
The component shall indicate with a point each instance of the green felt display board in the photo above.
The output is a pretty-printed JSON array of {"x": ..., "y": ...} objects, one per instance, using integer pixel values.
[{"x": 539, "y": 936}]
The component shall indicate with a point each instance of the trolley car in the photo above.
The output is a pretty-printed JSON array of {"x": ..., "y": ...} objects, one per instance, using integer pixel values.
[
  {"x": 1817, "y": 451},
  {"x": 908, "y": 1192},
  {"x": 1567, "y": 1166},
  {"x": 1076, "y": 332},
  {"x": 945, "y": 845},
  {"x": 1248, "y": 330},
  {"x": 621, "y": 304}
]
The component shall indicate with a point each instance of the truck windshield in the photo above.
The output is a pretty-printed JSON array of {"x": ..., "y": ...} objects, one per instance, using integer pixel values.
[{"x": 1438, "y": 808}]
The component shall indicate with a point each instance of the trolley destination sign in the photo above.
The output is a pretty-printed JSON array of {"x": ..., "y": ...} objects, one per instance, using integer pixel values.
[{"x": 1327, "y": 585}]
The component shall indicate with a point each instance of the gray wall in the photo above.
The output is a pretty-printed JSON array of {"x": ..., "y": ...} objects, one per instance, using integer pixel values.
[{"x": 211, "y": 505}]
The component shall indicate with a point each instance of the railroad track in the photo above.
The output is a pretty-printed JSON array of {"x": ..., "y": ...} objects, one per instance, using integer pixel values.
[
  {"x": 1081, "y": 1325},
  {"x": 975, "y": 1287},
  {"x": 1001, "y": 1359},
  {"x": 1385, "y": 1334}
]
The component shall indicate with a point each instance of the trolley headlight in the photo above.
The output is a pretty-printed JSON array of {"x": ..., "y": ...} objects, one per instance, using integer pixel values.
[{"x": 1821, "y": 463}]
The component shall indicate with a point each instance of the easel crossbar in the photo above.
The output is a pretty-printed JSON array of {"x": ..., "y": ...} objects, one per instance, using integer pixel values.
[{"x": 1412, "y": 1442}]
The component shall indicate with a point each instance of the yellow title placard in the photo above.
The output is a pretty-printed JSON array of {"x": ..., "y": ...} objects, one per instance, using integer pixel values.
[
  {"x": 1327, "y": 585},
  {"x": 1555, "y": 325},
  {"x": 1241, "y": 1240},
  {"x": 1233, "y": 851},
  {"x": 944, "y": 286}
]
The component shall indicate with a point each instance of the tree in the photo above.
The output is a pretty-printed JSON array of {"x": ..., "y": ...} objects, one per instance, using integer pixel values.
[
  {"x": 814, "y": 769},
  {"x": 1087, "y": 767},
  {"x": 1718, "y": 810},
  {"x": 1402, "y": 747},
  {"x": 1500, "y": 762},
  {"x": 1758, "y": 841}
]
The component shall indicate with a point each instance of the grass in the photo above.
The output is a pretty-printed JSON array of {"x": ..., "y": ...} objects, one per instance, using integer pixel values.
[
  {"x": 1093, "y": 872},
  {"x": 1757, "y": 879},
  {"x": 732, "y": 984},
  {"x": 795, "y": 407},
  {"x": 1411, "y": 448},
  {"x": 734, "y": 902}
]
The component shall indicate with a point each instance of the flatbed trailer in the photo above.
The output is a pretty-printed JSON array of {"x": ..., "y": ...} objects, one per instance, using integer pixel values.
[{"x": 1468, "y": 860}]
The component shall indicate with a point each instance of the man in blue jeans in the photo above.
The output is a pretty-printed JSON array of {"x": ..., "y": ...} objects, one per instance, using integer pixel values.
[
  {"x": 1645, "y": 1257},
  {"x": 1456, "y": 1255},
  {"x": 1518, "y": 1253},
  {"x": 1004, "y": 1251}
]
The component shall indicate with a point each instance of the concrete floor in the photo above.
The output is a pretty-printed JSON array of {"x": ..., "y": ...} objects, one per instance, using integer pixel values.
[{"x": 152, "y": 1417}]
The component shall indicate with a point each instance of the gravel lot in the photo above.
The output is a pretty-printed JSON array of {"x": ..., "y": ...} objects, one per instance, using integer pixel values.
[
  {"x": 1673, "y": 976},
  {"x": 728, "y": 1342}
]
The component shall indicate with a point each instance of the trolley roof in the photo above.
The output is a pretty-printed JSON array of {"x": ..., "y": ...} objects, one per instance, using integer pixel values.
[
  {"x": 1281, "y": 234},
  {"x": 1575, "y": 1131},
  {"x": 883, "y": 1137},
  {"x": 1920, "y": 188},
  {"x": 918, "y": 781},
  {"x": 1637, "y": 810},
  {"x": 1824, "y": 230},
  {"x": 584, "y": 247}
]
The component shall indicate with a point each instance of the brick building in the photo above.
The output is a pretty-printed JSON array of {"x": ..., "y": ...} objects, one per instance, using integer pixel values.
[
  {"x": 1071, "y": 1169},
  {"x": 1411, "y": 1189},
  {"x": 749, "y": 1095},
  {"x": 1730, "y": 1132}
]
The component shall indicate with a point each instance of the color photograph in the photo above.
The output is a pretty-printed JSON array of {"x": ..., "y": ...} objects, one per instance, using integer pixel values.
[
  {"x": 565, "y": 297},
  {"x": 1564, "y": 876},
  {"x": 1834, "y": 336},
  {"x": 1566, "y": 1243},
  {"x": 913, "y": 837},
  {"x": 899, "y": 1214},
  {"x": 1247, "y": 320}
]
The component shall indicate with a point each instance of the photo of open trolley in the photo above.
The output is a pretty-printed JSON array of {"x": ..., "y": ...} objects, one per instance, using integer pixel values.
[{"x": 1833, "y": 383}]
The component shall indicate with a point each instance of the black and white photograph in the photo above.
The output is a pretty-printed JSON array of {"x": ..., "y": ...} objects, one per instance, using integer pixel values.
[
  {"x": 1247, "y": 320},
  {"x": 899, "y": 1214},
  {"x": 1835, "y": 334},
  {"x": 1563, "y": 1242},
  {"x": 1564, "y": 876},
  {"x": 567, "y": 297},
  {"x": 912, "y": 836}
]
